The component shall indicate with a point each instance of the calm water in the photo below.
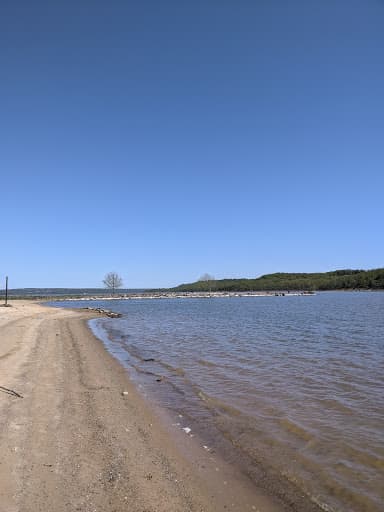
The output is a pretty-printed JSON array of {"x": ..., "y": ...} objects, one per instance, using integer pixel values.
[{"x": 294, "y": 382}]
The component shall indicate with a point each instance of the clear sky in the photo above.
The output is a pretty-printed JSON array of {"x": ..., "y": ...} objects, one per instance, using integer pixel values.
[{"x": 166, "y": 139}]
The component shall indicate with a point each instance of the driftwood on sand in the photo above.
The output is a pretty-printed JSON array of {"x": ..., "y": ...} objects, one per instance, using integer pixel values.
[{"x": 10, "y": 392}]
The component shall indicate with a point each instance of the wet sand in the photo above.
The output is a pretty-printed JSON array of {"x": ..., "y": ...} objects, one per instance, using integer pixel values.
[{"x": 73, "y": 440}]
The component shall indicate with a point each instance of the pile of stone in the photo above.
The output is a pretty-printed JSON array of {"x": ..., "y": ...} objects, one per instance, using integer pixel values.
[{"x": 105, "y": 312}]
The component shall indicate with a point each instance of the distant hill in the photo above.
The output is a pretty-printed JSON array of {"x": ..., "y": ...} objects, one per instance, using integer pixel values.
[{"x": 337, "y": 280}]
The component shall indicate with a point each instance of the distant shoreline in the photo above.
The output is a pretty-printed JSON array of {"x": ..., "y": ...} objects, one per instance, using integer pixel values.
[
  {"x": 160, "y": 295},
  {"x": 37, "y": 295},
  {"x": 193, "y": 295},
  {"x": 267, "y": 285}
]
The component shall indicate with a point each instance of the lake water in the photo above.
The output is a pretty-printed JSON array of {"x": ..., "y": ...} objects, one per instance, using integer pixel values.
[{"x": 295, "y": 383}]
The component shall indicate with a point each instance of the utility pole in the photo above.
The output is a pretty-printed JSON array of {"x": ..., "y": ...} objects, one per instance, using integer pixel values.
[{"x": 6, "y": 290}]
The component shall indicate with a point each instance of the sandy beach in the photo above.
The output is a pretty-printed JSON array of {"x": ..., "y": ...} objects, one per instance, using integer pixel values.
[{"x": 77, "y": 435}]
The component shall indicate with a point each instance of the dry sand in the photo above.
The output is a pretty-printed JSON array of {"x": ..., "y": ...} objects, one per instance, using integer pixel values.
[{"x": 73, "y": 441}]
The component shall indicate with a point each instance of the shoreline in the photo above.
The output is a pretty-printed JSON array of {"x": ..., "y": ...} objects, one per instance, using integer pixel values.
[
  {"x": 161, "y": 295},
  {"x": 84, "y": 438}
]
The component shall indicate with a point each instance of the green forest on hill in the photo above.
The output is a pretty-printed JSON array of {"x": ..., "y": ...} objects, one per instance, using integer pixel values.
[{"x": 337, "y": 280}]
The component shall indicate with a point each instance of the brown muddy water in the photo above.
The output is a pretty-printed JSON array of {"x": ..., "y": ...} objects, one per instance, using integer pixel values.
[{"x": 296, "y": 383}]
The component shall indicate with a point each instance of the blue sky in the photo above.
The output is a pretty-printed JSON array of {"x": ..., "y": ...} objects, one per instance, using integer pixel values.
[{"x": 167, "y": 139}]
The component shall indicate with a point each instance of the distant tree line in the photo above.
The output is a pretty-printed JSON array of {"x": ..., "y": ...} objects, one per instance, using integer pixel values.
[{"x": 347, "y": 279}]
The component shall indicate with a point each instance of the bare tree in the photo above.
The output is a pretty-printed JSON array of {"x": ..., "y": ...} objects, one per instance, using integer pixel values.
[
  {"x": 112, "y": 280},
  {"x": 208, "y": 278}
]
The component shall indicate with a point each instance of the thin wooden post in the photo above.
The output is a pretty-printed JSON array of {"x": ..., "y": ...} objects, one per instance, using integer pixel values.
[{"x": 6, "y": 290}]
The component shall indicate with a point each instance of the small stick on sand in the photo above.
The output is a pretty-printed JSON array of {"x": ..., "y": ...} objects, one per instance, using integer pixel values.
[{"x": 10, "y": 392}]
